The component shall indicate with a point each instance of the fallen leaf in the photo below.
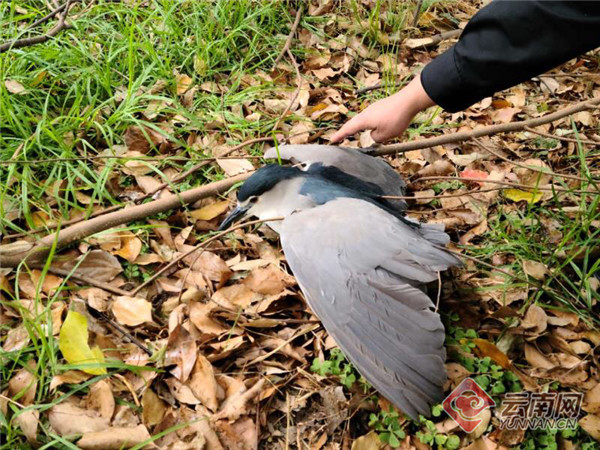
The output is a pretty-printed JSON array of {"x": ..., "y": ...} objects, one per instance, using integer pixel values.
[
  {"x": 203, "y": 384},
  {"x": 535, "y": 269},
  {"x": 211, "y": 211},
  {"x": 73, "y": 344},
  {"x": 233, "y": 167},
  {"x": 184, "y": 82},
  {"x": 97, "y": 264},
  {"x": 131, "y": 246},
  {"x": 369, "y": 441},
  {"x": 68, "y": 419},
  {"x": 28, "y": 421},
  {"x": 181, "y": 351},
  {"x": 23, "y": 385},
  {"x": 14, "y": 87},
  {"x": 114, "y": 438},
  {"x": 69, "y": 377},
  {"x": 237, "y": 404},
  {"x": 472, "y": 173},
  {"x": 268, "y": 280},
  {"x": 153, "y": 408},
  {"x": 487, "y": 348},
  {"x": 100, "y": 399},
  {"x": 132, "y": 311},
  {"x": 591, "y": 425},
  {"x": 517, "y": 195},
  {"x": 535, "y": 320},
  {"x": 591, "y": 400}
]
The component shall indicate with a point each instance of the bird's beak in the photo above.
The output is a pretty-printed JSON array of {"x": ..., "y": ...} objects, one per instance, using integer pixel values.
[{"x": 236, "y": 214}]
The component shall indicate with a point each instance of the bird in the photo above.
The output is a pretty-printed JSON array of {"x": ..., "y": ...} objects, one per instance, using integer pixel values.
[
  {"x": 343, "y": 163},
  {"x": 362, "y": 268}
]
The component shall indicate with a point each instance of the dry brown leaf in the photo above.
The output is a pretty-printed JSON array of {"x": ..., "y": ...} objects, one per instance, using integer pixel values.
[
  {"x": 591, "y": 425},
  {"x": 97, "y": 264},
  {"x": 233, "y": 167},
  {"x": 535, "y": 320},
  {"x": 153, "y": 408},
  {"x": 536, "y": 359},
  {"x": 300, "y": 132},
  {"x": 535, "y": 269},
  {"x": 200, "y": 316},
  {"x": 182, "y": 352},
  {"x": 23, "y": 385},
  {"x": 591, "y": 400},
  {"x": 14, "y": 87},
  {"x": 68, "y": 419},
  {"x": 438, "y": 168},
  {"x": 131, "y": 246},
  {"x": 28, "y": 422},
  {"x": 141, "y": 139},
  {"x": 100, "y": 399},
  {"x": 203, "y": 384},
  {"x": 369, "y": 441},
  {"x": 132, "y": 311},
  {"x": 268, "y": 280},
  {"x": 114, "y": 438},
  {"x": 210, "y": 265},
  {"x": 69, "y": 377},
  {"x": 487, "y": 348},
  {"x": 184, "y": 82},
  {"x": 235, "y": 295},
  {"x": 211, "y": 211},
  {"x": 237, "y": 404}
]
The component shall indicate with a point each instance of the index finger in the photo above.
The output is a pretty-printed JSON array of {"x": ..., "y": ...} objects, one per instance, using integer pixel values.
[{"x": 351, "y": 127}]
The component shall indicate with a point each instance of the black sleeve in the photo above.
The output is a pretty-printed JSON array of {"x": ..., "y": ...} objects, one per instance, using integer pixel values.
[{"x": 508, "y": 42}]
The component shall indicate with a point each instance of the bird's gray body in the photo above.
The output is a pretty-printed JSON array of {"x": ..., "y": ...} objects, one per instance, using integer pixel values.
[
  {"x": 362, "y": 269},
  {"x": 366, "y": 168}
]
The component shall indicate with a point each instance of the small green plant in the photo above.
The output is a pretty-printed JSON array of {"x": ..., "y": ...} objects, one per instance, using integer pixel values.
[
  {"x": 431, "y": 436},
  {"x": 447, "y": 185},
  {"x": 547, "y": 439},
  {"x": 388, "y": 427},
  {"x": 336, "y": 365}
]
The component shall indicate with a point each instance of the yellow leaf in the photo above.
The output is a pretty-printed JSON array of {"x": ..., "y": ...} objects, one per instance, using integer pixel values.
[
  {"x": 487, "y": 348},
  {"x": 211, "y": 211},
  {"x": 73, "y": 343},
  {"x": 517, "y": 195}
]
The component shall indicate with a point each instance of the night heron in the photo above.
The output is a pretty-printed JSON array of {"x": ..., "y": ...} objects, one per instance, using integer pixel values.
[{"x": 362, "y": 268}]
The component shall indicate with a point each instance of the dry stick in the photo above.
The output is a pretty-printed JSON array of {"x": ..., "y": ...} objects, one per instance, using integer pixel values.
[
  {"x": 133, "y": 292},
  {"x": 82, "y": 230},
  {"x": 83, "y": 279},
  {"x": 26, "y": 42},
  {"x": 288, "y": 41},
  {"x": 484, "y": 131},
  {"x": 561, "y": 138},
  {"x": 139, "y": 199},
  {"x": 429, "y": 41},
  {"x": 505, "y": 183},
  {"x": 417, "y": 13},
  {"x": 542, "y": 170}
]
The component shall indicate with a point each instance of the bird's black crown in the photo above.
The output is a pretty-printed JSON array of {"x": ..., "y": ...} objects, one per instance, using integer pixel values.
[{"x": 265, "y": 179}]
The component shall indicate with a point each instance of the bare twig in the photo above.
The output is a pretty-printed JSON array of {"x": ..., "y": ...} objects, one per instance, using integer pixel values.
[
  {"x": 63, "y": 10},
  {"x": 484, "y": 131},
  {"x": 431, "y": 40},
  {"x": 296, "y": 93},
  {"x": 561, "y": 138},
  {"x": 374, "y": 87},
  {"x": 288, "y": 41},
  {"x": 83, "y": 279},
  {"x": 199, "y": 246},
  {"x": 417, "y": 13},
  {"x": 106, "y": 221},
  {"x": 525, "y": 166},
  {"x": 504, "y": 183}
]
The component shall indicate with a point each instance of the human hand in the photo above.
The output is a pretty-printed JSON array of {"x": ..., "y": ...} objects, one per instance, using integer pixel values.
[{"x": 389, "y": 117}]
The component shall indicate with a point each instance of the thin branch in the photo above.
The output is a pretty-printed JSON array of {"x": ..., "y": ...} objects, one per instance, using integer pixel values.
[
  {"x": 504, "y": 183},
  {"x": 296, "y": 93},
  {"x": 61, "y": 25},
  {"x": 431, "y": 40},
  {"x": 134, "y": 291},
  {"x": 83, "y": 279},
  {"x": 542, "y": 170},
  {"x": 288, "y": 41},
  {"x": 417, "y": 13},
  {"x": 84, "y": 229},
  {"x": 561, "y": 138},
  {"x": 484, "y": 131}
]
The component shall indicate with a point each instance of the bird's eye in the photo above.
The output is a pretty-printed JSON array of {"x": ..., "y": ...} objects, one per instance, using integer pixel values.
[{"x": 253, "y": 199}]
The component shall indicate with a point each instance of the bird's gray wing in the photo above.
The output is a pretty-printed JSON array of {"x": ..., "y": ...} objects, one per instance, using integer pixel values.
[
  {"x": 361, "y": 269},
  {"x": 364, "y": 167}
]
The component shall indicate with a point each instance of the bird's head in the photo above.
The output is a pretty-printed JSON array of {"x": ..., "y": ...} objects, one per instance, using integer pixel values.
[{"x": 272, "y": 191}]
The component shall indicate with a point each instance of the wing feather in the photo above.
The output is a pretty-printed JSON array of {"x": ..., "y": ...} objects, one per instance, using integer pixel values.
[{"x": 362, "y": 275}]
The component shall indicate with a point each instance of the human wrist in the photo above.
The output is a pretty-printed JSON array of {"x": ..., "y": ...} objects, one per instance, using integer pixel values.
[{"x": 413, "y": 98}]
